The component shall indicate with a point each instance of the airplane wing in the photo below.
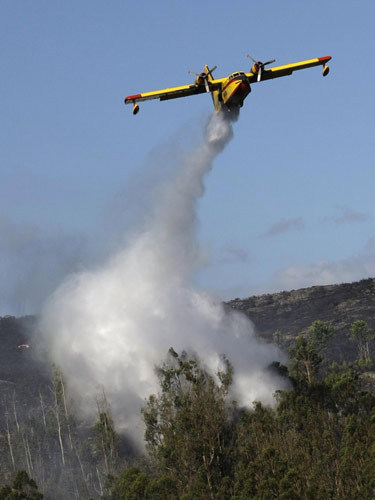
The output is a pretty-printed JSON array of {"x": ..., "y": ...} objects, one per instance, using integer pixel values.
[
  {"x": 170, "y": 93},
  {"x": 287, "y": 69}
]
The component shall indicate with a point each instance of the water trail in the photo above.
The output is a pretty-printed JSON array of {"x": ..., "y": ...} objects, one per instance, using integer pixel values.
[{"x": 110, "y": 326}]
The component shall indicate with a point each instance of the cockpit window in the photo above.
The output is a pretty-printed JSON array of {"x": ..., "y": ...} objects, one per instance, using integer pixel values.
[{"x": 236, "y": 75}]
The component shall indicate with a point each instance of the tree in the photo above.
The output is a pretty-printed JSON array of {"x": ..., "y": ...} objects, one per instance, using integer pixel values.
[
  {"x": 22, "y": 487},
  {"x": 278, "y": 337},
  {"x": 189, "y": 430},
  {"x": 129, "y": 485},
  {"x": 306, "y": 356},
  {"x": 106, "y": 438},
  {"x": 361, "y": 334}
]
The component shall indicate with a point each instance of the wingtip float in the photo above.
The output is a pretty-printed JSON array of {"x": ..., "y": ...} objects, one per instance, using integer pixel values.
[{"x": 228, "y": 93}]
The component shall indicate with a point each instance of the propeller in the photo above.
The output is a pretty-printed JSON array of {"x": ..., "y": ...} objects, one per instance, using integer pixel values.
[
  {"x": 259, "y": 66},
  {"x": 209, "y": 72},
  {"x": 204, "y": 76}
]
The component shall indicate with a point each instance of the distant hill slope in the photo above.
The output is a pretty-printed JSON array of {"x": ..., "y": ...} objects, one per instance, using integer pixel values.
[
  {"x": 16, "y": 360},
  {"x": 293, "y": 312},
  {"x": 22, "y": 375},
  {"x": 289, "y": 312}
]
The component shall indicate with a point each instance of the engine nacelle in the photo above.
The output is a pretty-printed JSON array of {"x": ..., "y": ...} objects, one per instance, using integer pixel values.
[
  {"x": 325, "y": 70},
  {"x": 135, "y": 108},
  {"x": 255, "y": 68},
  {"x": 200, "y": 79}
]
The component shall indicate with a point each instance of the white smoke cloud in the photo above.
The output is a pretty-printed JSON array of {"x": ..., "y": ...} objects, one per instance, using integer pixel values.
[{"x": 110, "y": 326}]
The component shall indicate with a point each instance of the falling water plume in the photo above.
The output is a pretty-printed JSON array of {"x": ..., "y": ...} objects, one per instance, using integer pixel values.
[{"x": 109, "y": 327}]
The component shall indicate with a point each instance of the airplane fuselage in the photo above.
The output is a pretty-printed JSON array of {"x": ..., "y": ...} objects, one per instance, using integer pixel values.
[
  {"x": 231, "y": 92},
  {"x": 234, "y": 90}
]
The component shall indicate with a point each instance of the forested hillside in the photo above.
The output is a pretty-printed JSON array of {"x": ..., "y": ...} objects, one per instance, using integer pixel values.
[
  {"x": 316, "y": 442},
  {"x": 289, "y": 313}
]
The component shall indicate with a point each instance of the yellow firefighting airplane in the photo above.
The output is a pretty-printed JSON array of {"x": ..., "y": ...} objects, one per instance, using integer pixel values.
[{"x": 228, "y": 94}]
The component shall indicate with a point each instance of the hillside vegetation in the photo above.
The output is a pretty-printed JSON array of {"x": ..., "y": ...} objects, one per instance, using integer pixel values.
[
  {"x": 291, "y": 313},
  {"x": 316, "y": 442}
]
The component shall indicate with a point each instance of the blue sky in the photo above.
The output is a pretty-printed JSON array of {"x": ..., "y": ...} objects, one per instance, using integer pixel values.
[{"x": 289, "y": 202}]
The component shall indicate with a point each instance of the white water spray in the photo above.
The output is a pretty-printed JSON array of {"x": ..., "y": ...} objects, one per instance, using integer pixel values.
[{"x": 109, "y": 327}]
